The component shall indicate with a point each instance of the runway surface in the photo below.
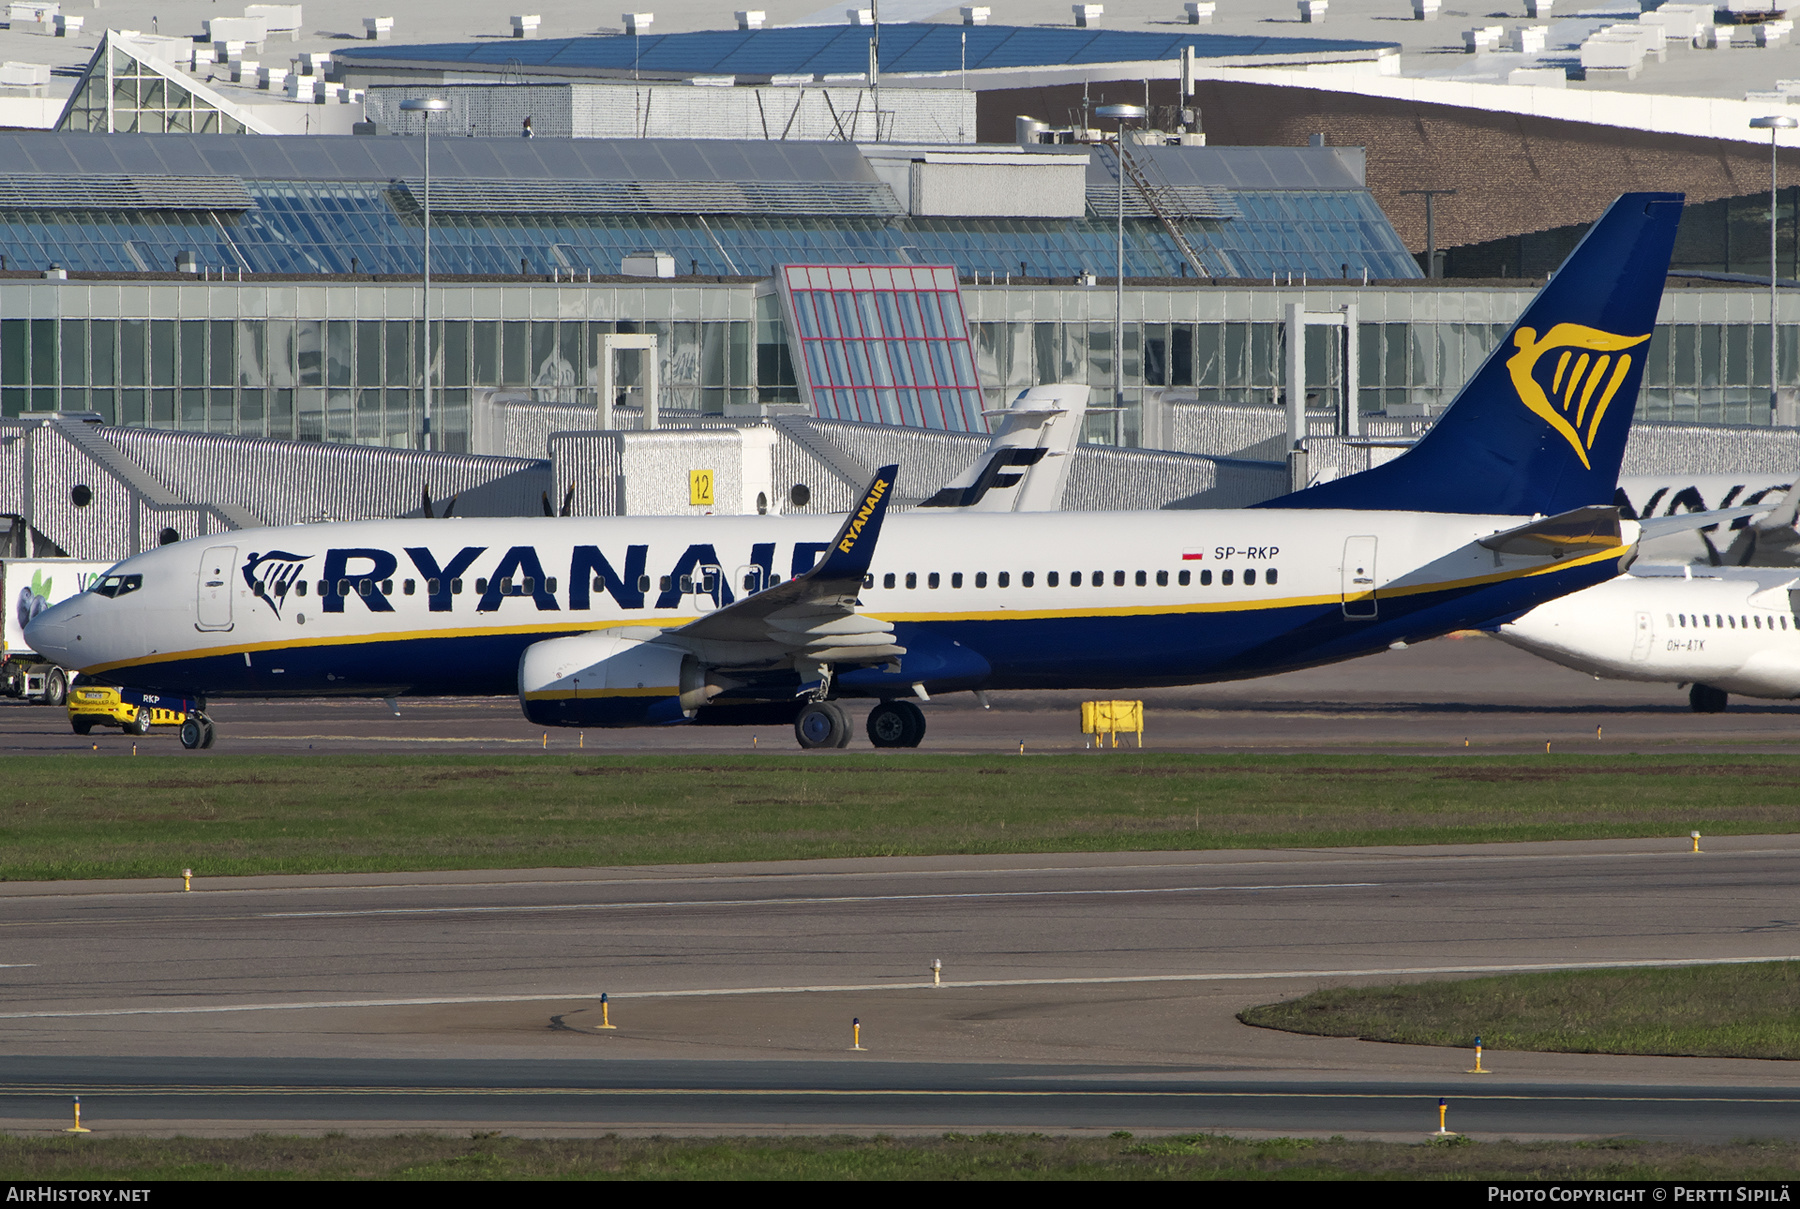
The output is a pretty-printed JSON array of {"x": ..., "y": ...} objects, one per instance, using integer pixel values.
[
  {"x": 1105, "y": 985},
  {"x": 1431, "y": 698}
]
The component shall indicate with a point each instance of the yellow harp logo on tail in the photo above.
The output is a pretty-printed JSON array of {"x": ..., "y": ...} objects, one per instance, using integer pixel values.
[{"x": 1570, "y": 377}]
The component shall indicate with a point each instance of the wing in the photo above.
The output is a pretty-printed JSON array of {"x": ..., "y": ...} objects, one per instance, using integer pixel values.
[{"x": 811, "y": 620}]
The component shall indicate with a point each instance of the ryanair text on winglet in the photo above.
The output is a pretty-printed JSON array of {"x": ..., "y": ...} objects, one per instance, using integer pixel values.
[{"x": 863, "y": 514}]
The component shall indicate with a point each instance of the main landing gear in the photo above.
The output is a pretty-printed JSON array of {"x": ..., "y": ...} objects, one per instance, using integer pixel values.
[
  {"x": 823, "y": 724},
  {"x": 196, "y": 731},
  {"x": 1703, "y": 699},
  {"x": 896, "y": 724},
  {"x": 891, "y": 724}
]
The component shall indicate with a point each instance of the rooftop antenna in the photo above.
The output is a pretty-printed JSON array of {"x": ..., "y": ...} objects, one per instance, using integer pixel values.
[{"x": 875, "y": 62}]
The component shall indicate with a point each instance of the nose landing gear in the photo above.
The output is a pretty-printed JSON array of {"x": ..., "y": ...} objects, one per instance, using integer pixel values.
[{"x": 197, "y": 731}]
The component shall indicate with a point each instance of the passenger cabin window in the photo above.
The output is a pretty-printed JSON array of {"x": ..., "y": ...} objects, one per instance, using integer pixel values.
[
  {"x": 1270, "y": 577},
  {"x": 300, "y": 588},
  {"x": 931, "y": 581},
  {"x": 643, "y": 583},
  {"x": 456, "y": 587},
  {"x": 481, "y": 587},
  {"x": 408, "y": 587},
  {"x": 1118, "y": 579},
  {"x": 981, "y": 579},
  {"x": 1003, "y": 578},
  {"x": 664, "y": 584},
  {"x": 1225, "y": 578},
  {"x": 912, "y": 579},
  {"x": 1249, "y": 575},
  {"x": 1050, "y": 578},
  {"x": 432, "y": 586},
  {"x": 1100, "y": 579},
  {"x": 887, "y": 581},
  {"x": 1142, "y": 579},
  {"x": 955, "y": 579},
  {"x": 1162, "y": 579},
  {"x": 1182, "y": 578},
  {"x": 387, "y": 587},
  {"x": 1205, "y": 578},
  {"x": 1074, "y": 579}
]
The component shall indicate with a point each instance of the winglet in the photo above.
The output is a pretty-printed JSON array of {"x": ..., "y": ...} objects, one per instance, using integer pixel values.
[{"x": 853, "y": 549}]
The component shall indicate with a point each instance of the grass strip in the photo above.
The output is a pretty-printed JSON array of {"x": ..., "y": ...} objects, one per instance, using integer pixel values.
[
  {"x": 81, "y": 816},
  {"x": 1715, "y": 1011},
  {"x": 991, "y": 1156}
]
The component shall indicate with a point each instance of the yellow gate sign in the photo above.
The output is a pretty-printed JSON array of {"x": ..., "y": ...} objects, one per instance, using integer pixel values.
[
  {"x": 1110, "y": 718},
  {"x": 700, "y": 488}
]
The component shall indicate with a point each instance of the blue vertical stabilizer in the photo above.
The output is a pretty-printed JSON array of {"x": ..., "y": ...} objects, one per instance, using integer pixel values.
[{"x": 1541, "y": 427}]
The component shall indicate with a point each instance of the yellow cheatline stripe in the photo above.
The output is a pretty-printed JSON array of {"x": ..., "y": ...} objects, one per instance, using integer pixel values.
[
  {"x": 671, "y": 622},
  {"x": 664, "y": 690},
  {"x": 406, "y": 636}
]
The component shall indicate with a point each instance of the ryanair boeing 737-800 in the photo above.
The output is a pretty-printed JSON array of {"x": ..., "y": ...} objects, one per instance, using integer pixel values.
[{"x": 631, "y": 621}]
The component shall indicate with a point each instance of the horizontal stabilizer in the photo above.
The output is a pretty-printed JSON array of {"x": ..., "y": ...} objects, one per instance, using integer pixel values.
[
  {"x": 1577, "y": 531},
  {"x": 1683, "y": 522}
]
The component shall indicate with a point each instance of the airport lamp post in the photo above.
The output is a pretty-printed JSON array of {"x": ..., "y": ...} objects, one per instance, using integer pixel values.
[
  {"x": 1773, "y": 125},
  {"x": 1123, "y": 113},
  {"x": 426, "y": 106}
]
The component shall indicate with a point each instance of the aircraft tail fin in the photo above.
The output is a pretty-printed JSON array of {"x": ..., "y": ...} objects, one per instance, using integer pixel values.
[
  {"x": 1541, "y": 427},
  {"x": 1026, "y": 466}
]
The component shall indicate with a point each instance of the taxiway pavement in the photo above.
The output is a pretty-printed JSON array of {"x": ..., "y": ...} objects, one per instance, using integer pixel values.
[{"x": 1112, "y": 980}]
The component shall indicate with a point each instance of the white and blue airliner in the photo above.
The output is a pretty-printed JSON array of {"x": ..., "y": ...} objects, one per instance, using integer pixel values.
[{"x": 1506, "y": 503}]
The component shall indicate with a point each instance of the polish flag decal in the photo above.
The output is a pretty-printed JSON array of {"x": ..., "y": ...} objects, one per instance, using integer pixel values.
[{"x": 1191, "y": 555}]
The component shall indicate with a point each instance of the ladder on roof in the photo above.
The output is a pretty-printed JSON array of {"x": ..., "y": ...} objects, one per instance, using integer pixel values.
[{"x": 1161, "y": 203}]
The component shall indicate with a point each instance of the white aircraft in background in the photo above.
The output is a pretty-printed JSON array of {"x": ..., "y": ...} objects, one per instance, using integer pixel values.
[
  {"x": 1721, "y": 630},
  {"x": 640, "y": 621}
]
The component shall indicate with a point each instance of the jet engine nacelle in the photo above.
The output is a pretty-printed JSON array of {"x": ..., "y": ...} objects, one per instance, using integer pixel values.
[{"x": 609, "y": 680}]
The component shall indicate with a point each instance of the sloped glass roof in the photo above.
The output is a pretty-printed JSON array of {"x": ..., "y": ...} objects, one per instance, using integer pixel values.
[
  {"x": 844, "y": 49},
  {"x": 299, "y": 204}
]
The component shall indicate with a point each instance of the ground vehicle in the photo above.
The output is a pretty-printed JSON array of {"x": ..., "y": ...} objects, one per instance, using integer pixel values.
[
  {"x": 28, "y": 586},
  {"x": 130, "y": 710}
]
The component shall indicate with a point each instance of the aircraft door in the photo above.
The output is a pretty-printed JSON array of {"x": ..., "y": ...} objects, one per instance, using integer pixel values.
[
  {"x": 748, "y": 579},
  {"x": 1641, "y": 640},
  {"x": 213, "y": 599},
  {"x": 1359, "y": 578}
]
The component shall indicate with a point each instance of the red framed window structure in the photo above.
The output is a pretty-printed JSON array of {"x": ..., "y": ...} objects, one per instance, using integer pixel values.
[{"x": 885, "y": 344}]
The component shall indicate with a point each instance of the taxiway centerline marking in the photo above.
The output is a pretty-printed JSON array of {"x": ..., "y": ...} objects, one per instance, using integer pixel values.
[
  {"x": 718, "y": 992},
  {"x": 800, "y": 901}
]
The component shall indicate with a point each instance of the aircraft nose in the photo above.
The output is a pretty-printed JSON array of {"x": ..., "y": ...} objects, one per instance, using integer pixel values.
[{"x": 51, "y": 633}]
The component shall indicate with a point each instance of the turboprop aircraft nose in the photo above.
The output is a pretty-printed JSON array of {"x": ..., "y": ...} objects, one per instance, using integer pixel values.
[{"x": 52, "y": 633}]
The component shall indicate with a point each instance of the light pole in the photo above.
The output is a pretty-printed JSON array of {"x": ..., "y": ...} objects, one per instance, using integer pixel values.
[
  {"x": 1430, "y": 196},
  {"x": 426, "y": 106},
  {"x": 1773, "y": 124},
  {"x": 1123, "y": 113}
]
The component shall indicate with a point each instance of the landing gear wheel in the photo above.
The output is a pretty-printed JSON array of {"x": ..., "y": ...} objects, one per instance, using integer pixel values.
[
  {"x": 822, "y": 724},
  {"x": 192, "y": 733},
  {"x": 56, "y": 688},
  {"x": 140, "y": 722},
  {"x": 81, "y": 726},
  {"x": 896, "y": 724},
  {"x": 206, "y": 732},
  {"x": 1704, "y": 699}
]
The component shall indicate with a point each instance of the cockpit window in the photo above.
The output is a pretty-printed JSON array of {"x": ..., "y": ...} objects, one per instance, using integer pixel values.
[{"x": 119, "y": 585}]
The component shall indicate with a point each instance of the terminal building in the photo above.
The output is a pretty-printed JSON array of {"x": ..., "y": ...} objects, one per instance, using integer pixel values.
[{"x": 646, "y": 250}]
